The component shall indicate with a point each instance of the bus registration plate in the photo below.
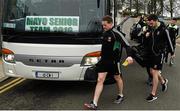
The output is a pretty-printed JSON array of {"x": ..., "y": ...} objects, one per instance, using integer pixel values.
[{"x": 41, "y": 74}]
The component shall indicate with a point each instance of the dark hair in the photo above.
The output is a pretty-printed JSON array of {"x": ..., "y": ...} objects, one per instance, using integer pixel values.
[
  {"x": 108, "y": 19},
  {"x": 152, "y": 17},
  {"x": 174, "y": 19}
]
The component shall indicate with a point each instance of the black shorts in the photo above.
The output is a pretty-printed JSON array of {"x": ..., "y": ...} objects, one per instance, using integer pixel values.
[
  {"x": 110, "y": 67},
  {"x": 155, "y": 62}
]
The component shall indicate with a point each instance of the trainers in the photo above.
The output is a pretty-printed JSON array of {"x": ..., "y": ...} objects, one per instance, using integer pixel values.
[
  {"x": 164, "y": 86},
  {"x": 151, "y": 98},
  {"x": 171, "y": 62},
  {"x": 119, "y": 99},
  {"x": 90, "y": 106}
]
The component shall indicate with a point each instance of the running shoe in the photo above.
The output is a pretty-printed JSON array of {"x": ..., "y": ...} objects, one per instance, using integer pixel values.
[
  {"x": 90, "y": 106},
  {"x": 151, "y": 98},
  {"x": 165, "y": 85},
  {"x": 119, "y": 99}
]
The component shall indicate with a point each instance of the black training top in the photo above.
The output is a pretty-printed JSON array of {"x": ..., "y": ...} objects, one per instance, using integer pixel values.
[
  {"x": 109, "y": 38},
  {"x": 173, "y": 32},
  {"x": 157, "y": 40}
]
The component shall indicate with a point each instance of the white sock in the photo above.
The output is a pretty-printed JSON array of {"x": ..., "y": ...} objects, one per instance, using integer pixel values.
[
  {"x": 95, "y": 103},
  {"x": 121, "y": 95}
]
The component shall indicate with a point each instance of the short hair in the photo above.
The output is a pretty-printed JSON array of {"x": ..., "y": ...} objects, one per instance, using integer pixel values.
[
  {"x": 174, "y": 19},
  {"x": 152, "y": 17},
  {"x": 108, "y": 19}
]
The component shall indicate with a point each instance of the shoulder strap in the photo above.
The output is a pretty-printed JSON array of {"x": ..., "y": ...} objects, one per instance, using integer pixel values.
[
  {"x": 117, "y": 44},
  {"x": 122, "y": 37}
]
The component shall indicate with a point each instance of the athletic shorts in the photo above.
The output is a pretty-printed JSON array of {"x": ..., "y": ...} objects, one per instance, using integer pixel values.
[
  {"x": 155, "y": 62},
  {"x": 109, "y": 66}
]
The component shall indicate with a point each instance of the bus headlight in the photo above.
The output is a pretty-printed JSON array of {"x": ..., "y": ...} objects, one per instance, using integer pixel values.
[
  {"x": 91, "y": 58},
  {"x": 89, "y": 61},
  {"x": 8, "y": 55}
]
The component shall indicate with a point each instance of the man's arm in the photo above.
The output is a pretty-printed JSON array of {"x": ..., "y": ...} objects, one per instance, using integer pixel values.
[
  {"x": 125, "y": 44},
  {"x": 169, "y": 41},
  {"x": 177, "y": 31}
]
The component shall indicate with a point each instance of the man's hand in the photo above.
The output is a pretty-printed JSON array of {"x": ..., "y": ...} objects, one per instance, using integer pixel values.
[
  {"x": 129, "y": 59},
  {"x": 173, "y": 56}
]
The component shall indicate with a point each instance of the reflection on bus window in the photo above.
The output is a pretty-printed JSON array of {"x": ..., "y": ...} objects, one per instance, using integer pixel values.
[{"x": 87, "y": 11}]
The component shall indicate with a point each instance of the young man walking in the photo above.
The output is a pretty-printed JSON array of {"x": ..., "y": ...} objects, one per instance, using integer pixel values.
[
  {"x": 156, "y": 39},
  {"x": 110, "y": 61},
  {"x": 173, "y": 32}
]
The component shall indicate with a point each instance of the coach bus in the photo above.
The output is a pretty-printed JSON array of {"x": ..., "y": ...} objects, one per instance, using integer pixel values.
[{"x": 52, "y": 39}]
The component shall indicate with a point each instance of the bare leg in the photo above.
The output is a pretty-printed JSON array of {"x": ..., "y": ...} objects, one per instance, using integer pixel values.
[
  {"x": 119, "y": 83},
  {"x": 99, "y": 86},
  {"x": 161, "y": 79},
  {"x": 155, "y": 74}
]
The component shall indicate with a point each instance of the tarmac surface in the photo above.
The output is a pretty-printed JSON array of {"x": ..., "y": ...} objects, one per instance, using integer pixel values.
[{"x": 178, "y": 41}]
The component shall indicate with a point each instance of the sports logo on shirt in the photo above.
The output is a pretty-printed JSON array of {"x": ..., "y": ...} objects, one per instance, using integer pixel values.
[
  {"x": 109, "y": 39},
  {"x": 147, "y": 34},
  {"x": 158, "y": 33}
]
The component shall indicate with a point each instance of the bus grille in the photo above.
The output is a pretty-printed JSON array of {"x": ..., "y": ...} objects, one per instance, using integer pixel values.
[{"x": 47, "y": 61}]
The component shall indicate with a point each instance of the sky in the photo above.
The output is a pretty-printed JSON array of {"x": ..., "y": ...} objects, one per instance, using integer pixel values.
[{"x": 176, "y": 10}]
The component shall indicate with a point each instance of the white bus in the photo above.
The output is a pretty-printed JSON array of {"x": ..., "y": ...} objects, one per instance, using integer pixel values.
[{"x": 52, "y": 39}]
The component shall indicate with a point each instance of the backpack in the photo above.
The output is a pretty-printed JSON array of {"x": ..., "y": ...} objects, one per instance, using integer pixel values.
[
  {"x": 135, "y": 30},
  {"x": 139, "y": 54}
]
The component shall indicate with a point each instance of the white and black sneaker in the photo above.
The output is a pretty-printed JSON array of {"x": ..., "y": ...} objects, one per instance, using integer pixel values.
[
  {"x": 171, "y": 62},
  {"x": 165, "y": 85},
  {"x": 90, "y": 106},
  {"x": 119, "y": 99},
  {"x": 151, "y": 98}
]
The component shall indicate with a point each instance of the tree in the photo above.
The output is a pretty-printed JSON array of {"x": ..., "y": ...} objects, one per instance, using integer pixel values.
[
  {"x": 172, "y": 6},
  {"x": 159, "y": 7}
]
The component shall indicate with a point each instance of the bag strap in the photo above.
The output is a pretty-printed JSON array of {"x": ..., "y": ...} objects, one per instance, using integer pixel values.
[{"x": 117, "y": 44}]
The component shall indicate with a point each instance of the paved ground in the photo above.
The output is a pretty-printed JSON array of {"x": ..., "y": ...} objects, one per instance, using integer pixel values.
[{"x": 178, "y": 41}]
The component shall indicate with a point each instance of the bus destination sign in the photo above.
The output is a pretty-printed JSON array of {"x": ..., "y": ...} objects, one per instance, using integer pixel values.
[{"x": 52, "y": 23}]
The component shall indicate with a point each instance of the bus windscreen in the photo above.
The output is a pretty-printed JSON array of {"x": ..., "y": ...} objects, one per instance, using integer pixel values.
[{"x": 68, "y": 16}]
